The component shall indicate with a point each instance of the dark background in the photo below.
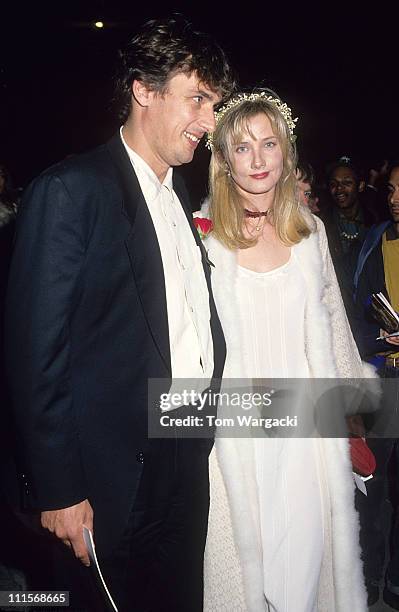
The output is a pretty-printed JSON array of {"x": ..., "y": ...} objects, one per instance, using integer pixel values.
[{"x": 336, "y": 66}]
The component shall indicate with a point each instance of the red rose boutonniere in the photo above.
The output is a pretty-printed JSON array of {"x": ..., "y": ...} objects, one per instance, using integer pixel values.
[{"x": 204, "y": 226}]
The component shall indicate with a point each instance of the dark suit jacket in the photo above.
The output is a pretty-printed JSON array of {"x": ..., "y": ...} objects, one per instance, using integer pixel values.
[
  {"x": 86, "y": 327},
  {"x": 345, "y": 263},
  {"x": 371, "y": 280}
]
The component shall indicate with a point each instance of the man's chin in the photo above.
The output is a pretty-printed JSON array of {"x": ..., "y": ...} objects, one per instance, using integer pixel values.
[
  {"x": 185, "y": 159},
  {"x": 342, "y": 205}
]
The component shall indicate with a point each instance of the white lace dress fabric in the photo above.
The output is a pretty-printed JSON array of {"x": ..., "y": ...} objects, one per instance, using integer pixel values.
[
  {"x": 288, "y": 474},
  {"x": 273, "y": 307}
]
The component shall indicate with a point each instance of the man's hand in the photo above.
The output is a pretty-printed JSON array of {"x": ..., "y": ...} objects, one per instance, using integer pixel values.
[
  {"x": 67, "y": 524},
  {"x": 394, "y": 340}
]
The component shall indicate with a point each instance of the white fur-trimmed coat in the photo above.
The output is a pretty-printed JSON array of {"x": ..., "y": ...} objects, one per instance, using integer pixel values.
[{"x": 233, "y": 562}]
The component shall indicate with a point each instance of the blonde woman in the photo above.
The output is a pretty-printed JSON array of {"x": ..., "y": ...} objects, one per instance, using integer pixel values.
[{"x": 283, "y": 533}]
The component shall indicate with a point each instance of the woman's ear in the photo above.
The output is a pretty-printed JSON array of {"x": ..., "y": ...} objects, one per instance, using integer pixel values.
[{"x": 223, "y": 163}]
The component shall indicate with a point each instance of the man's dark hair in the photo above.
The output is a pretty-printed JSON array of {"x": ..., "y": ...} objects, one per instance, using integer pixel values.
[
  {"x": 164, "y": 48},
  {"x": 346, "y": 162}
]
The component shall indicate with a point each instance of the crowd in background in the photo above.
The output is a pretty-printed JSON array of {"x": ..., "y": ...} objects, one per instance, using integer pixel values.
[
  {"x": 355, "y": 206},
  {"x": 360, "y": 212}
]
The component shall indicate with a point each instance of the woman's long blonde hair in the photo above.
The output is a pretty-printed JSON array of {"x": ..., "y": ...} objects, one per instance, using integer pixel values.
[{"x": 226, "y": 207}]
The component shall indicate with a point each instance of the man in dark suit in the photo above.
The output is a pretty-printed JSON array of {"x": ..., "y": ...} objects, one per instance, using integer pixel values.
[{"x": 110, "y": 287}]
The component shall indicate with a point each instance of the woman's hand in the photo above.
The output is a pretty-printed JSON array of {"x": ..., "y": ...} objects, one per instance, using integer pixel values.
[{"x": 356, "y": 425}]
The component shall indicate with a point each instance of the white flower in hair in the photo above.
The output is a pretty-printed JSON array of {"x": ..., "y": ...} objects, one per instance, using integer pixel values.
[{"x": 251, "y": 97}]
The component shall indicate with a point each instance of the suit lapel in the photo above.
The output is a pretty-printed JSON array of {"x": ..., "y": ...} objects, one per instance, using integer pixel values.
[
  {"x": 219, "y": 345},
  {"x": 183, "y": 197},
  {"x": 143, "y": 249}
]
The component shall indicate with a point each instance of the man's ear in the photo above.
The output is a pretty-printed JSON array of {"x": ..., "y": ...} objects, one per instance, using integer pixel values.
[
  {"x": 361, "y": 187},
  {"x": 141, "y": 93}
]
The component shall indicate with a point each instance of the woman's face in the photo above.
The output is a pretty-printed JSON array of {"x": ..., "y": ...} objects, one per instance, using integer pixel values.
[{"x": 256, "y": 163}]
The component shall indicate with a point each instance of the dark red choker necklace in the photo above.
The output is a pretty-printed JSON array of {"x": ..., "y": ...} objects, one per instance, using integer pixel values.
[{"x": 255, "y": 215}]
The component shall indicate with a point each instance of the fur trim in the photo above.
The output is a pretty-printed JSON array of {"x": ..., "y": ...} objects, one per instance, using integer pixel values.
[
  {"x": 331, "y": 352},
  {"x": 225, "y": 290},
  {"x": 237, "y": 463},
  {"x": 349, "y": 585},
  {"x": 318, "y": 331}
]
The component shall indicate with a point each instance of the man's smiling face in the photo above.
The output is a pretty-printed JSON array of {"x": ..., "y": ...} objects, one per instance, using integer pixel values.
[
  {"x": 177, "y": 119},
  {"x": 344, "y": 187}
]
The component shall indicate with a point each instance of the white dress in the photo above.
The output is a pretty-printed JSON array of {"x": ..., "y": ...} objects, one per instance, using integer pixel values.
[
  {"x": 234, "y": 549},
  {"x": 287, "y": 471}
]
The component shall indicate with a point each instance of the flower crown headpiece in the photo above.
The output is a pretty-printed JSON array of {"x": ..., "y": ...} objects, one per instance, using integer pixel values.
[{"x": 251, "y": 97}]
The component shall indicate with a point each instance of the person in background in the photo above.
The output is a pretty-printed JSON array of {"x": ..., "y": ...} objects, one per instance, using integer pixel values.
[
  {"x": 305, "y": 181},
  {"x": 9, "y": 198},
  {"x": 378, "y": 271},
  {"x": 8, "y": 211},
  {"x": 375, "y": 189},
  {"x": 10, "y": 577},
  {"x": 346, "y": 221}
]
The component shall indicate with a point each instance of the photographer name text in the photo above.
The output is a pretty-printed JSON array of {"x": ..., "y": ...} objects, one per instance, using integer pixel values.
[{"x": 167, "y": 420}]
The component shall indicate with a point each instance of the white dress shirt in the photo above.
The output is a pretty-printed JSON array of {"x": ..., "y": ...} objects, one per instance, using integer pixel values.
[{"x": 187, "y": 296}]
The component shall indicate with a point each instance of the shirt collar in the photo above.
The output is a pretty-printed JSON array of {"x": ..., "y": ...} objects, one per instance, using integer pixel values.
[{"x": 145, "y": 173}]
